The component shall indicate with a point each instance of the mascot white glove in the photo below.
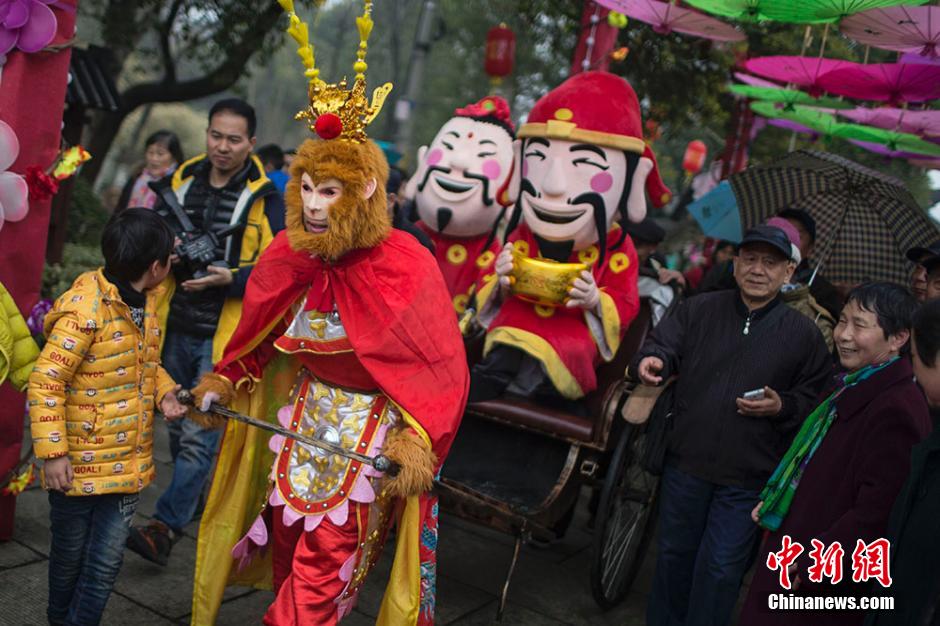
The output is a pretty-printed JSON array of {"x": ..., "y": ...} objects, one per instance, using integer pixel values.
[{"x": 584, "y": 293}]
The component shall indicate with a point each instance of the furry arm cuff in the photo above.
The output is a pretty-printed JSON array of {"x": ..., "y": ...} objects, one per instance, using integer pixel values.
[
  {"x": 217, "y": 384},
  {"x": 417, "y": 461}
]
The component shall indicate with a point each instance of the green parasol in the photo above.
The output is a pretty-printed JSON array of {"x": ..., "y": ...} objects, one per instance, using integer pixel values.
[
  {"x": 817, "y": 120},
  {"x": 746, "y": 10},
  {"x": 895, "y": 141},
  {"x": 823, "y": 11},
  {"x": 787, "y": 97}
]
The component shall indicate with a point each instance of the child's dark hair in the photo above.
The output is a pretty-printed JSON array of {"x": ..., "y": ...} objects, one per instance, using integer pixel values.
[
  {"x": 168, "y": 140},
  {"x": 133, "y": 240}
]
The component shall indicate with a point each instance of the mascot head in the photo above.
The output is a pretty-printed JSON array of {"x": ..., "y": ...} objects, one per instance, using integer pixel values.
[
  {"x": 583, "y": 165},
  {"x": 460, "y": 185},
  {"x": 336, "y": 198}
]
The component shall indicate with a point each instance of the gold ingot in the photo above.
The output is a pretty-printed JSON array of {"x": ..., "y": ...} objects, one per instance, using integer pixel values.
[{"x": 542, "y": 281}]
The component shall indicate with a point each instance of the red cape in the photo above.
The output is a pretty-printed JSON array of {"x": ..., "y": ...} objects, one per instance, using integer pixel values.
[{"x": 397, "y": 314}]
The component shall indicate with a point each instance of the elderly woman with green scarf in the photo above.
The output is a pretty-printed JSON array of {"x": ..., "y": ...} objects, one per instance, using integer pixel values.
[{"x": 846, "y": 465}]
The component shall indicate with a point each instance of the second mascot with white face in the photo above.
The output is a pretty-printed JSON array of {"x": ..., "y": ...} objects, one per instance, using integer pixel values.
[
  {"x": 459, "y": 192},
  {"x": 583, "y": 170}
]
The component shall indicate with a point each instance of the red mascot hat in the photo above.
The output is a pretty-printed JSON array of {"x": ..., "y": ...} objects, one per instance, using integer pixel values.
[{"x": 598, "y": 108}]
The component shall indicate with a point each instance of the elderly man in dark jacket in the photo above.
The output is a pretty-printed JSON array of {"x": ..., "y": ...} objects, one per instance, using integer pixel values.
[{"x": 749, "y": 371}]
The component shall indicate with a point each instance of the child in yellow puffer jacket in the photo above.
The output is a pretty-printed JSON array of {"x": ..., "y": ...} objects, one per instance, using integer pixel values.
[{"x": 92, "y": 397}]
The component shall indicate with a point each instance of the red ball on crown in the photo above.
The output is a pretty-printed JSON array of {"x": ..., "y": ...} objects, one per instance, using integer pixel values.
[{"x": 328, "y": 126}]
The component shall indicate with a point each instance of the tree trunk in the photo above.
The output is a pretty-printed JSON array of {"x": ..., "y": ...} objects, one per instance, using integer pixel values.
[
  {"x": 102, "y": 132},
  {"x": 106, "y": 125}
]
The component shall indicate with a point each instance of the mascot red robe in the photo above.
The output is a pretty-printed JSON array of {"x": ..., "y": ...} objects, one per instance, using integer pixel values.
[
  {"x": 583, "y": 167},
  {"x": 459, "y": 191},
  {"x": 343, "y": 337}
]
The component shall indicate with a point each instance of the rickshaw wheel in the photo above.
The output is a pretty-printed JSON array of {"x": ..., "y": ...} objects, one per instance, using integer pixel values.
[{"x": 624, "y": 523}]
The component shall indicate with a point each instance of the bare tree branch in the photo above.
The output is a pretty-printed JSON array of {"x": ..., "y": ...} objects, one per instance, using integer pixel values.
[{"x": 169, "y": 63}]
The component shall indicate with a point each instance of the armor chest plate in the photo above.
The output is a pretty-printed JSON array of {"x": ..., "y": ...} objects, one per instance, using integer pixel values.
[{"x": 313, "y": 481}]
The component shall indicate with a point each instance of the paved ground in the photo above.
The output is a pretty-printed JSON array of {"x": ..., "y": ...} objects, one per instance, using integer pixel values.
[{"x": 550, "y": 586}]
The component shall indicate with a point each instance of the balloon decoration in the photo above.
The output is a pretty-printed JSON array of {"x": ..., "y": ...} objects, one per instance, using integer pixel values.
[{"x": 14, "y": 192}]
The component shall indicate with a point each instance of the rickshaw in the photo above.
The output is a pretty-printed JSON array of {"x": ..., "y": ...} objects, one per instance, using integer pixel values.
[{"x": 519, "y": 467}]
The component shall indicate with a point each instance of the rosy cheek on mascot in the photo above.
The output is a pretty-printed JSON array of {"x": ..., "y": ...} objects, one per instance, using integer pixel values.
[
  {"x": 459, "y": 192},
  {"x": 583, "y": 167},
  {"x": 347, "y": 336}
]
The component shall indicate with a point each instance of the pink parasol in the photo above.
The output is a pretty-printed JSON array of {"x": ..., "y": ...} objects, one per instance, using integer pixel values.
[
  {"x": 754, "y": 81},
  {"x": 884, "y": 82},
  {"x": 929, "y": 164},
  {"x": 796, "y": 127},
  {"x": 666, "y": 17},
  {"x": 918, "y": 59},
  {"x": 884, "y": 150},
  {"x": 922, "y": 123},
  {"x": 803, "y": 72},
  {"x": 914, "y": 30}
]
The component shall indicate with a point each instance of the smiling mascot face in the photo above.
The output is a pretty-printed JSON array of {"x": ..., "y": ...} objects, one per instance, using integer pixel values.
[
  {"x": 357, "y": 219},
  {"x": 583, "y": 164},
  {"x": 460, "y": 182}
]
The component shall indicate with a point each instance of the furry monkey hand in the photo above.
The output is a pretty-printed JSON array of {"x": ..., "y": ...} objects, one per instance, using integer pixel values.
[
  {"x": 212, "y": 388},
  {"x": 406, "y": 448}
]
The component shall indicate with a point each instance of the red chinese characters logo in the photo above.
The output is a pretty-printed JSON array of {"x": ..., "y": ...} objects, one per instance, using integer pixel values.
[
  {"x": 827, "y": 562},
  {"x": 782, "y": 560},
  {"x": 870, "y": 561}
]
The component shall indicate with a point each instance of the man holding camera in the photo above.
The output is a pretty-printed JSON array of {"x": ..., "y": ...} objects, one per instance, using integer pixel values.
[
  {"x": 225, "y": 212},
  {"x": 749, "y": 369}
]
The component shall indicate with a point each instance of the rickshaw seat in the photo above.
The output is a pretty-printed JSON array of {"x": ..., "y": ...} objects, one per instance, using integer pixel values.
[
  {"x": 521, "y": 412},
  {"x": 593, "y": 427}
]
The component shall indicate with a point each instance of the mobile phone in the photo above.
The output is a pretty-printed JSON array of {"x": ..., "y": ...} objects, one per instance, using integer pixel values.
[{"x": 754, "y": 394}]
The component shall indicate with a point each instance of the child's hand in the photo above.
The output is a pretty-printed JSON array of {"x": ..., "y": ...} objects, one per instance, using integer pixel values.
[
  {"x": 171, "y": 407},
  {"x": 59, "y": 474}
]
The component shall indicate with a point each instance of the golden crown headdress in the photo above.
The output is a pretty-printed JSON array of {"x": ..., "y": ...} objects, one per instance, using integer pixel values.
[{"x": 336, "y": 112}]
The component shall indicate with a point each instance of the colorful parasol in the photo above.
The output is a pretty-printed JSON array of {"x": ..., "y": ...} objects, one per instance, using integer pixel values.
[
  {"x": 929, "y": 164},
  {"x": 922, "y": 123},
  {"x": 801, "y": 71},
  {"x": 792, "y": 126},
  {"x": 892, "y": 140},
  {"x": 819, "y": 11},
  {"x": 754, "y": 81},
  {"x": 909, "y": 29},
  {"x": 787, "y": 97},
  {"x": 745, "y": 10},
  {"x": 918, "y": 59},
  {"x": 884, "y": 82},
  {"x": 884, "y": 150},
  {"x": 819, "y": 121},
  {"x": 666, "y": 17}
]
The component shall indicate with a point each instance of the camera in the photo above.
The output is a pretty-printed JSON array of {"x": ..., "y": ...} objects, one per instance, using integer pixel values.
[{"x": 197, "y": 248}]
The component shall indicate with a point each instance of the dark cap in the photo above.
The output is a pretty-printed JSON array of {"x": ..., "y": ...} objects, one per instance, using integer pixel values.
[
  {"x": 932, "y": 263},
  {"x": 647, "y": 231},
  {"x": 803, "y": 218},
  {"x": 916, "y": 255},
  {"x": 771, "y": 235}
]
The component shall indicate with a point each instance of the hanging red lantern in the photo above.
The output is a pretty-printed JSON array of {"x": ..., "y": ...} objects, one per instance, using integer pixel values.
[
  {"x": 694, "y": 158},
  {"x": 500, "y": 52}
]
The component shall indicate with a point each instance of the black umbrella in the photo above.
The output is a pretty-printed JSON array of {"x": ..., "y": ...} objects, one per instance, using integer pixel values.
[{"x": 865, "y": 220}]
